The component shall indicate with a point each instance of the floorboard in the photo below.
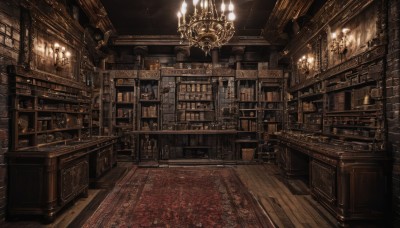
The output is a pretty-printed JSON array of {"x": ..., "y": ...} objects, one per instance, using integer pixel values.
[{"x": 287, "y": 202}]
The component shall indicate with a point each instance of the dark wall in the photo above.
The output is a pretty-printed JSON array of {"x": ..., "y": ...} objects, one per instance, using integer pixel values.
[
  {"x": 9, "y": 47},
  {"x": 393, "y": 102}
]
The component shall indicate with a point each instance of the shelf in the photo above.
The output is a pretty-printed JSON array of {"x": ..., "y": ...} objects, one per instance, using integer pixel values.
[
  {"x": 187, "y": 132},
  {"x": 248, "y": 101},
  {"x": 352, "y": 112},
  {"x": 247, "y": 131},
  {"x": 149, "y": 117},
  {"x": 122, "y": 117},
  {"x": 246, "y": 141},
  {"x": 351, "y": 126},
  {"x": 195, "y": 121},
  {"x": 67, "y": 100},
  {"x": 25, "y": 110},
  {"x": 196, "y": 147},
  {"x": 191, "y": 100},
  {"x": 271, "y": 109},
  {"x": 251, "y": 118},
  {"x": 149, "y": 101},
  {"x": 263, "y": 85},
  {"x": 196, "y": 110},
  {"x": 195, "y": 82},
  {"x": 247, "y": 109},
  {"x": 271, "y": 122},
  {"x": 27, "y": 133},
  {"x": 61, "y": 111},
  {"x": 24, "y": 95},
  {"x": 57, "y": 130},
  {"x": 124, "y": 103},
  {"x": 271, "y": 101},
  {"x": 328, "y": 90},
  {"x": 361, "y": 138},
  {"x": 309, "y": 96},
  {"x": 125, "y": 86}
]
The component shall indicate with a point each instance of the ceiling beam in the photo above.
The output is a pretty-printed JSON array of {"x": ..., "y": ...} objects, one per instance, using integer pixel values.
[
  {"x": 97, "y": 14},
  {"x": 174, "y": 40},
  {"x": 283, "y": 12}
]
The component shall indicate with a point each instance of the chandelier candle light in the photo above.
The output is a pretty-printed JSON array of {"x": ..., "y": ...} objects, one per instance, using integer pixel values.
[{"x": 206, "y": 28}]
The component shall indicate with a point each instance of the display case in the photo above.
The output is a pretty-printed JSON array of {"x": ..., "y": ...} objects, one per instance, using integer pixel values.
[
  {"x": 107, "y": 102},
  {"x": 125, "y": 114},
  {"x": 47, "y": 109},
  {"x": 148, "y": 113},
  {"x": 247, "y": 101},
  {"x": 270, "y": 114},
  {"x": 195, "y": 103}
]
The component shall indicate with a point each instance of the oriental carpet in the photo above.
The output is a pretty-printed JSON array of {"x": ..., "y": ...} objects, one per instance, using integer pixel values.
[{"x": 179, "y": 197}]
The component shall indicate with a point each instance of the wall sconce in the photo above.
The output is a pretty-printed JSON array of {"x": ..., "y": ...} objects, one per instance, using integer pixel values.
[
  {"x": 61, "y": 56},
  {"x": 305, "y": 64},
  {"x": 339, "y": 44}
]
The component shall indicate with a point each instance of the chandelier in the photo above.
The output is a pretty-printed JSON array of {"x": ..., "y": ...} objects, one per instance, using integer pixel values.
[{"x": 206, "y": 28}]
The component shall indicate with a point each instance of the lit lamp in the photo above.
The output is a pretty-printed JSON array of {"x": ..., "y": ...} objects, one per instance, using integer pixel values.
[
  {"x": 206, "y": 28},
  {"x": 339, "y": 45},
  {"x": 61, "y": 56},
  {"x": 304, "y": 65}
]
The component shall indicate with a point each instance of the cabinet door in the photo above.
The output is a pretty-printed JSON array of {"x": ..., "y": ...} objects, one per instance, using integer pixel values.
[
  {"x": 367, "y": 187},
  {"x": 323, "y": 181},
  {"x": 104, "y": 159},
  {"x": 74, "y": 178}
]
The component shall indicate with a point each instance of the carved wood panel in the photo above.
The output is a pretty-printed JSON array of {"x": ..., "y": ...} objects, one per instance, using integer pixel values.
[
  {"x": 323, "y": 180},
  {"x": 73, "y": 179}
]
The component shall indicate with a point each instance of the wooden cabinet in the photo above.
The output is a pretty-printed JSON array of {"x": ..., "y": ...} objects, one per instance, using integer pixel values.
[
  {"x": 336, "y": 122},
  {"x": 125, "y": 112},
  {"x": 350, "y": 184},
  {"x": 42, "y": 180},
  {"x": 47, "y": 109},
  {"x": 53, "y": 156}
]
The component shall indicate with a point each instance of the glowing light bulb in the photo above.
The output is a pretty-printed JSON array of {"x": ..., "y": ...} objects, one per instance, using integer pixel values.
[
  {"x": 68, "y": 54},
  {"x": 195, "y": 2},
  {"x": 334, "y": 35},
  {"x": 184, "y": 8},
  {"x": 231, "y": 16},
  {"x": 223, "y": 7},
  {"x": 56, "y": 45},
  {"x": 230, "y": 7}
]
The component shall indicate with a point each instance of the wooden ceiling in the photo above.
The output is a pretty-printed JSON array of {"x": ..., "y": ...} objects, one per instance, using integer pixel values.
[
  {"x": 158, "y": 17},
  {"x": 154, "y": 22}
]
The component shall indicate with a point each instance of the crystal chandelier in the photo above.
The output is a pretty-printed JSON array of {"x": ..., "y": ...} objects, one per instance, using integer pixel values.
[{"x": 206, "y": 28}]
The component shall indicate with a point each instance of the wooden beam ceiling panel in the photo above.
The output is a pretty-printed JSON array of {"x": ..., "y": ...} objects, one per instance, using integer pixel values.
[{"x": 283, "y": 12}]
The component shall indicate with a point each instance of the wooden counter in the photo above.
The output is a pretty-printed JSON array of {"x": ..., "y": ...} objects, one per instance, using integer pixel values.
[
  {"x": 42, "y": 180},
  {"x": 350, "y": 184}
]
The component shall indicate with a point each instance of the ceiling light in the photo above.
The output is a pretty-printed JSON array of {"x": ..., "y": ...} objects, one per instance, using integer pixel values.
[{"x": 206, "y": 28}]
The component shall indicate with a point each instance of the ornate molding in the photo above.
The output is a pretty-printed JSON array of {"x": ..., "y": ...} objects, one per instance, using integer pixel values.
[
  {"x": 149, "y": 74},
  {"x": 223, "y": 72},
  {"x": 247, "y": 74},
  {"x": 184, "y": 72},
  {"x": 124, "y": 73},
  {"x": 270, "y": 73}
]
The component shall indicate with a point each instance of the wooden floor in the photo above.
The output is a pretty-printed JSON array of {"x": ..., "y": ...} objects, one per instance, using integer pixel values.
[{"x": 287, "y": 202}]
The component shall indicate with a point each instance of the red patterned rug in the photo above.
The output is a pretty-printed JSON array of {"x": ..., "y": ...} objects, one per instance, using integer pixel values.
[{"x": 179, "y": 197}]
